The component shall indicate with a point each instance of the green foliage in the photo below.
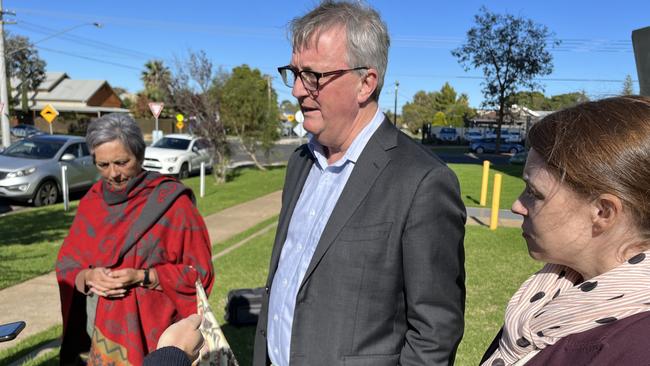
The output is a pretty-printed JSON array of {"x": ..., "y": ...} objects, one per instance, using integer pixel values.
[
  {"x": 439, "y": 119},
  {"x": 425, "y": 106},
  {"x": 249, "y": 108},
  {"x": 537, "y": 101},
  {"x": 156, "y": 78},
  {"x": 628, "y": 86},
  {"x": 287, "y": 107},
  {"x": 511, "y": 51},
  {"x": 24, "y": 64}
]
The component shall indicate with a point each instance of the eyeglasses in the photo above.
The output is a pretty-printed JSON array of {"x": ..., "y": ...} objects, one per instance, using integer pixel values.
[{"x": 310, "y": 79}]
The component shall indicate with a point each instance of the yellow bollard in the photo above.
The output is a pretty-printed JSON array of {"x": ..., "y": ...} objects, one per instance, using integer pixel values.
[
  {"x": 484, "y": 182},
  {"x": 496, "y": 196}
]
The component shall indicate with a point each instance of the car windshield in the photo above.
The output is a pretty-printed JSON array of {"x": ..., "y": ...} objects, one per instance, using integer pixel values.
[
  {"x": 172, "y": 143},
  {"x": 33, "y": 149}
]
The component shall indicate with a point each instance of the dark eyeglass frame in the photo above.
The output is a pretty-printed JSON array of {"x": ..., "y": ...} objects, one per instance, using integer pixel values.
[{"x": 283, "y": 72}]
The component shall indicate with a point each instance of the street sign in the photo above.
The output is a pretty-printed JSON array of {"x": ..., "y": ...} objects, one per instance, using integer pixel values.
[
  {"x": 299, "y": 130},
  {"x": 299, "y": 117},
  {"x": 180, "y": 117},
  {"x": 179, "y": 125},
  {"x": 290, "y": 118},
  {"x": 156, "y": 108},
  {"x": 49, "y": 113}
]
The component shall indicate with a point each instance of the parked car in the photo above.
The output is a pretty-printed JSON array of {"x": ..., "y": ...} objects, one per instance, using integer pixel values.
[
  {"x": 30, "y": 169},
  {"x": 449, "y": 135},
  {"x": 472, "y": 136},
  {"x": 178, "y": 154},
  {"x": 24, "y": 130},
  {"x": 519, "y": 158},
  {"x": 489, "y": 145}
]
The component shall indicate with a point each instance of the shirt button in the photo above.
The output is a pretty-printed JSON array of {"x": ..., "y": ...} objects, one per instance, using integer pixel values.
[
  {"x": 285, "y": 282},
  {"x": 312, "y": 212},
  {"x": 275, "y": 317},
  {"x": 276, "y": 350},
  {"x": 299, "y": 247}
]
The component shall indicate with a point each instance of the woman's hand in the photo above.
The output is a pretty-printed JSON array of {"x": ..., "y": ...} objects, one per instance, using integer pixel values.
[
  {"x": 100, "y": 282},
  {"x": 128, "y": 276}
]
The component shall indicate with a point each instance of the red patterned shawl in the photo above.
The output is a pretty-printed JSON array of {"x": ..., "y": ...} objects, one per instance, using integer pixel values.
[{"x": 174, "y": 241}]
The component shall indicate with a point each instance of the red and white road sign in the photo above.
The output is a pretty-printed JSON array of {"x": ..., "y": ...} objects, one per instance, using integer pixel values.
[{"x": 156, "y": 108}]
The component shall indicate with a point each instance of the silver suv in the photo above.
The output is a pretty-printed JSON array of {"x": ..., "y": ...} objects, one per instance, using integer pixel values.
[{"x": 30, "y": 169}]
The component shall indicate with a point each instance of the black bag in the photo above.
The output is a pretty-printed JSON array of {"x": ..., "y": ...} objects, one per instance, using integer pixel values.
[{"x": 244, "y": 305}]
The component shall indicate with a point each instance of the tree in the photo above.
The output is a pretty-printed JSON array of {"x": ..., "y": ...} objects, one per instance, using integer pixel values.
[
  {"x": 628, "y": 86},
  {"x": 425, "y": 105},
  {"x": 195, "y": 90},
  {"x": 24, "y": 65},
  {"x": 511, "y": 51},
  {"x": 439, "y": 119},
  {"x": 287, "y": 107},
  {"x": 156, "y": 78},
  {"x": 537, "y": 101},
  {"x": 421, "y": 110},
  {"x": 249, "y": 108}
]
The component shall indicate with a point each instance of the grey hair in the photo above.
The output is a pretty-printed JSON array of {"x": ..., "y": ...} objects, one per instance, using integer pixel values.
[
  {"x": 367, "y": 35},
  {"x": 116, "y": 126}
]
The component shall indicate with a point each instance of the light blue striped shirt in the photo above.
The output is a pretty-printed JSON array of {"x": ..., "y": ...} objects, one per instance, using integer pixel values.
[{"x": 313, "y": 209}]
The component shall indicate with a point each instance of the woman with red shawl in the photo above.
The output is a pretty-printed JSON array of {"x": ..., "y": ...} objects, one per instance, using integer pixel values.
[{"x": 128, "y": 267}]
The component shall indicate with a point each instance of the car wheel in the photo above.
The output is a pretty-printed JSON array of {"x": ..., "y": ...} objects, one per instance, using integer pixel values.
[
  {"x": 46, "y": 194},
  {"x": 184, "y": 172},
  {"x": 480, "y": 150},
  {"x": 513, "y": 151}
]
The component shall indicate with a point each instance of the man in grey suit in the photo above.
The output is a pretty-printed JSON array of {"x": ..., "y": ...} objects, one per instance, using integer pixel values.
[{"x": 368, "y": 264}]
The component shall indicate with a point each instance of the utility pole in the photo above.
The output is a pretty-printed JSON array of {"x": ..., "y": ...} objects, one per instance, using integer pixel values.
[
  {"x": 4, "y": 97},
  {"x": 395, "y": 110}
]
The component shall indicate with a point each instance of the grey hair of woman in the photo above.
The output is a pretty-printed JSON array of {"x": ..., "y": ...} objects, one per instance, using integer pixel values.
[
  {"x": 116, "y": 126},
  {"x": 367, "y": 35}
]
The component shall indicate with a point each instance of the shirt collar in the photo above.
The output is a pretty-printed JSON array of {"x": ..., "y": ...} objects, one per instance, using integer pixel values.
[{"x": 355, "y": 149}]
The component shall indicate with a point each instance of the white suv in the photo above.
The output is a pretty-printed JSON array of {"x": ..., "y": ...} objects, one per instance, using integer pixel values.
[{"x": 178, "y": 154}]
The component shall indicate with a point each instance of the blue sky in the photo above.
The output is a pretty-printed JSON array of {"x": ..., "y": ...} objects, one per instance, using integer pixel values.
[{"x": 596, "y": 54}]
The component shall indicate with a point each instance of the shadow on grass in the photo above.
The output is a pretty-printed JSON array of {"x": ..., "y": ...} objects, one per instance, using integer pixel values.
[
  {"x": 241, "y": 340},
  {"x": 47, "y": 224},
  {"x": 52, "y": 343},
  {"x": 472, "y": 199},
  {"x": 516, "y": 171}
]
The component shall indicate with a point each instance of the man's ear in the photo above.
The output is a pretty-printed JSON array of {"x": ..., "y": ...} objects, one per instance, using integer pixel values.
[
  {"x": 607, "y": 210},
  {"x": 368, "y": 85}
]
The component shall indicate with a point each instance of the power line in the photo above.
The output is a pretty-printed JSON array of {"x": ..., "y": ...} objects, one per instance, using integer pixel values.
[{"x": 90, "y": 58}]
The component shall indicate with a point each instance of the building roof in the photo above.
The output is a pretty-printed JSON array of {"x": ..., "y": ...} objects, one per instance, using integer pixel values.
[
  {"x": 69, "y": 90},
  {"x": 66, "y": 94}
]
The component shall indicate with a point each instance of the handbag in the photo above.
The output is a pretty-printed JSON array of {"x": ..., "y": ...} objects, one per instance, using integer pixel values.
[{"x": 216, "y": 351}]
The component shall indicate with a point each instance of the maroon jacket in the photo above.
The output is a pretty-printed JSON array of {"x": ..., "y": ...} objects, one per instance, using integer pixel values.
[{"x": 624, "y": 342}]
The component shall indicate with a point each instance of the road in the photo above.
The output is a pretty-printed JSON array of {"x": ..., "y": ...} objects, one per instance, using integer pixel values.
[
  {"x": 283, "y": 149},
  {"x": 279, "y": 154}
]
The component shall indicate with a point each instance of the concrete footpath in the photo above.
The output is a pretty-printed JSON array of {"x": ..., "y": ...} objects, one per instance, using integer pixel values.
[{"x": 37, "y": 301}]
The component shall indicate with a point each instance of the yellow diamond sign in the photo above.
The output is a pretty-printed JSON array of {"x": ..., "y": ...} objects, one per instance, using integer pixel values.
[
  {"x": 49, "y": 113},
  {"x": 179, "y": 125}
]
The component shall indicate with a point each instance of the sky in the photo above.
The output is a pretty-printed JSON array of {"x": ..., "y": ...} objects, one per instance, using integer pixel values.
[{"x": 595, "y": 54}]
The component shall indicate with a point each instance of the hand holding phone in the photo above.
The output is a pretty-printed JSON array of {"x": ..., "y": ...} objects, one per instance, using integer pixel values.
[{"x": 9, "y": 331}]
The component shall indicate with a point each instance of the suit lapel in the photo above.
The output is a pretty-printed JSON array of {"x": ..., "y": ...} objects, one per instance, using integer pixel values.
[
  {"x": 370, "y": 164},
  {"x": 293, "y": 185}
]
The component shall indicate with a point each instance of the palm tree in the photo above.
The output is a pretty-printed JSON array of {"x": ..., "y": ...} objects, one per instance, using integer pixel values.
[{"x": 156, "y": 78}]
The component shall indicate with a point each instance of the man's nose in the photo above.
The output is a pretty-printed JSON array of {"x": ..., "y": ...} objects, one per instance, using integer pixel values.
[{"x": 299, "y": 89}]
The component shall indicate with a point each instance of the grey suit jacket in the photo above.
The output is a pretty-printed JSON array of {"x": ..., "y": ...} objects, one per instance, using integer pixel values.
[{"x": 386, "y": 283}]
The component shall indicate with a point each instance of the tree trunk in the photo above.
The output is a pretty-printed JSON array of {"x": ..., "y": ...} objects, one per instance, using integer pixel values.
[{"x": 251, "y": 153}]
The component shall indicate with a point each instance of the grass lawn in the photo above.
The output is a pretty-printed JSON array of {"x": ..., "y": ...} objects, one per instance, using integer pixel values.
[
  {"x": 30, "y": 239},
  {"x": 496, "y": 264},
  {"x": 470, "y": 175}
]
